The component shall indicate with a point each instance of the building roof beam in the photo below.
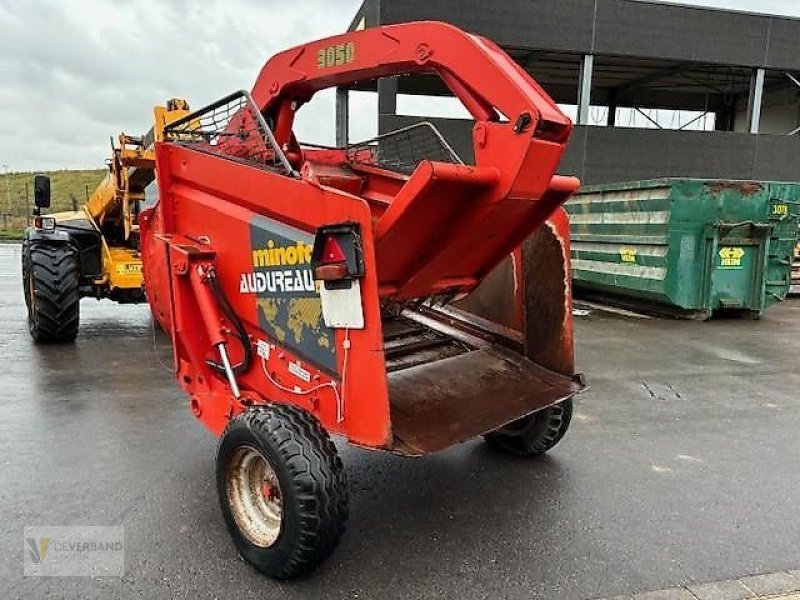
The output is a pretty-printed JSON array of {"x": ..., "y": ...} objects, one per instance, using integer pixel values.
[{"x": 650, "y": 78}]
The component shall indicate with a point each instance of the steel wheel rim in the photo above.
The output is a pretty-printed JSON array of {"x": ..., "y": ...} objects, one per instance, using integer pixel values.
[{"x": 254, "y": 496}]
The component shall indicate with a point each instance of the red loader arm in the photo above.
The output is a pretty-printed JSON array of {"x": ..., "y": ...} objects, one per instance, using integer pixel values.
[{"x": 473, "y": 216}]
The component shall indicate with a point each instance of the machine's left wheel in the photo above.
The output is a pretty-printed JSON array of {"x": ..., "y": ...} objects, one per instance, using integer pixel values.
[
  {"x": 535, "y": 434},
  {"x": 282, "y": 489},
  {"x": 26, "y": 272},
  {"x": 51, "y": 275}
]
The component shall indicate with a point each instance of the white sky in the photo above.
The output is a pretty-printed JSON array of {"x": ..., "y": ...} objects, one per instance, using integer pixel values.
[
  {"x": 777, "y": 7},
  {"x": 73, "y": 73}
]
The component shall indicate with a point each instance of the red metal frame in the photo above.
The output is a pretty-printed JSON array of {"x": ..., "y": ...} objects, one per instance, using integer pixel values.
[{"x": 438, "y": 231}]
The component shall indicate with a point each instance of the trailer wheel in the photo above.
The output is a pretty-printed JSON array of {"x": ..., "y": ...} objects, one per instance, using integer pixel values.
[
  {"x": 282, "y": 489},
  {"x": 51, "y": 277},
  {"x": 535, "y": 434}
]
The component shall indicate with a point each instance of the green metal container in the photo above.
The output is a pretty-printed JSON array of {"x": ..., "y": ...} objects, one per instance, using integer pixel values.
[
  {"x": 686, "y": 247},
  {"x": 795, "y": 289}
]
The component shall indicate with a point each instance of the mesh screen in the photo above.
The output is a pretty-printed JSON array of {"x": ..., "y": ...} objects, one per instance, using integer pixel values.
[
  {"x": 402, "y": 150},
  {"x": 233, "y": 128}
]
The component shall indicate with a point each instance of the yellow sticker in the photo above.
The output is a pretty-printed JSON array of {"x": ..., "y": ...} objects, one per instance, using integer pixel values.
[
  {"x": 129, "y": 268},
  {"x": 731, "y": 256},
  {"x": 627, "y": 254},
  {"x": 336, "y": 56},
  {"x": 780, "y": 209}
]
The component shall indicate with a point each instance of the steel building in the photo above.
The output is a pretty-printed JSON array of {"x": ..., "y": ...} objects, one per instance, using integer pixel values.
[{"x": 630, "y": 57}]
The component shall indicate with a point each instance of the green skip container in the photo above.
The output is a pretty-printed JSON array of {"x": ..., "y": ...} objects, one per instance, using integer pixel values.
[{"x": 685, "y": 247}]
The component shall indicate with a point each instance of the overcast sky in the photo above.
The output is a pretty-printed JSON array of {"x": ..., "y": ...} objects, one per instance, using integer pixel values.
[{"x": 73, "y": 73}]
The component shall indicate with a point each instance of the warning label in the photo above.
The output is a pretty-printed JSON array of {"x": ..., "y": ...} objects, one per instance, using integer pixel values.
[
  {"x": 730, "y": 257},
  {"x": 289, "y": 306},
  {"x": 627, "y": 254},
  {"x": 129, "y": 268}
]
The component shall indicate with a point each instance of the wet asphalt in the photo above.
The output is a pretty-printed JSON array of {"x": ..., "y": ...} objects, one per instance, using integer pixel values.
[{"x": 681, "y": 466}]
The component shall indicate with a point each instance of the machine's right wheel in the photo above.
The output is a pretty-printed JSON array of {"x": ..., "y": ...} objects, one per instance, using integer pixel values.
[
  {"x": 282, "y": 489},
  {"x": 535, "y": 434},
  {"x": 51, "y": 277}
]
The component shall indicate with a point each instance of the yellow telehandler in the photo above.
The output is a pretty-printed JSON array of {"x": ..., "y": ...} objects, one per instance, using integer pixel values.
[{"x": 92, "y": 252}]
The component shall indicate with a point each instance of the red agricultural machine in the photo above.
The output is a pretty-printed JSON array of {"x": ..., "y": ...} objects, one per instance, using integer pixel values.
[{"x": 311, "y": 290}]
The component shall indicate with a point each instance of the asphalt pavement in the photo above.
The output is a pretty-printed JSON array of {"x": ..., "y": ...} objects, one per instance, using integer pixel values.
[{"x": 681, "y": 467}]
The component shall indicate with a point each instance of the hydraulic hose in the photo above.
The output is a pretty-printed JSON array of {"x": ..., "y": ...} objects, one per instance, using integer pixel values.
[{"x": 241, "y": 332}]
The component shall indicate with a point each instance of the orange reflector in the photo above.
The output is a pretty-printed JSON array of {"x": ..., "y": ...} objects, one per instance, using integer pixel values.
[
  {"x": 332, "y": 252},
  {"x": 332, "y": 272}
]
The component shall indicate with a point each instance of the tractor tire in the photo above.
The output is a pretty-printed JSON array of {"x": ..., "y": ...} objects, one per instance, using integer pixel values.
[
  {"x": 282, "y": 489},
  {"x": 26, "y": 270},
  {"x": 51, "y": 275},
  {"x": 535, "y": 434}
]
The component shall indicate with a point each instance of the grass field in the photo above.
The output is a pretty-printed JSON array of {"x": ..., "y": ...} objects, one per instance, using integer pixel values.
[{"x": 68, "y": 188}]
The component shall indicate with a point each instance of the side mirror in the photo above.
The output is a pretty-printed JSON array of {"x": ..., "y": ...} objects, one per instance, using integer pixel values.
[{"x": 41, "y": 191}]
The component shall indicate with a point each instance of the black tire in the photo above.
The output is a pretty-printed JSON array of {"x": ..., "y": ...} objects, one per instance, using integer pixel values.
[
  {"x": 311, "y": 488},
  {"x": 26, "y": 270},
  {"x": 51, "y": 275},
  {"x": 535, "y": 434}
]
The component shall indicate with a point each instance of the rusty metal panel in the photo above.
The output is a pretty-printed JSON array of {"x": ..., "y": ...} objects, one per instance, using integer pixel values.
[
  {"x": 547, "y": 300},
  {"x": 453, "y": 376},
  {"x": 438, "y": 404},
  {"x": 497, "y": 297},
  {"x": 531, "y": 293}
]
